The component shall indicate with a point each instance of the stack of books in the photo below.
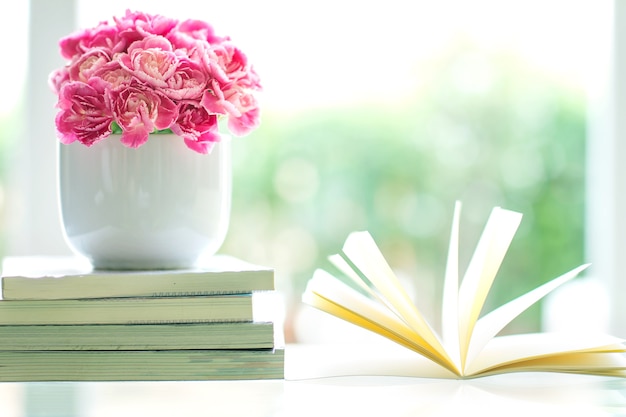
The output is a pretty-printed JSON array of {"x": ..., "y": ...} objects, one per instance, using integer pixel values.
[{"x": 61, "y": 321}]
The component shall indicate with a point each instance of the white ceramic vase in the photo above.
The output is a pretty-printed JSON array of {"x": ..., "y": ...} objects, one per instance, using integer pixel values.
[{"x": 159, "y": 206}]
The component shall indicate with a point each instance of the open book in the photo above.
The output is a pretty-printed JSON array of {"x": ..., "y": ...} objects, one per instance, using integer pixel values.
[{"x": 469, "y": 345}]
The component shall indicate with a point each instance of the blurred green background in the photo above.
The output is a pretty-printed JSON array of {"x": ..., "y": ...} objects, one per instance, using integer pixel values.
[{"x": 482, "y": 127}]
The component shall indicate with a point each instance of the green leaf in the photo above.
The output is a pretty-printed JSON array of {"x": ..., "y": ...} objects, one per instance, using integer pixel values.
[{"x": 117, "y": 130}]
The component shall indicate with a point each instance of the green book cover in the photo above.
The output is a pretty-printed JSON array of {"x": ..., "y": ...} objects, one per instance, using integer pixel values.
[
  {"x": 146, "y": 365},
  {"x": 141, "y": 310},
  {"x": 248, "y": 335},
  {"x": 72, "y": 278}
]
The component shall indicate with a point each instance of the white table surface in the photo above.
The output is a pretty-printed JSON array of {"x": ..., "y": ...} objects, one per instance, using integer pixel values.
[{"x": 520, "y": 394}]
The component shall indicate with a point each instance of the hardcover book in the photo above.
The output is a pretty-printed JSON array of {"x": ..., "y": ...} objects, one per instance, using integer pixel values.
[{"x": 468, "y": 345}]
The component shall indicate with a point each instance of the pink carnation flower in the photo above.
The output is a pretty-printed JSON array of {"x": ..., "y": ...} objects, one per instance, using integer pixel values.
[
  {"x": 188, "y": 82},
  {"x": 103, "y": 36},
  {"x": 148, "y": 73},
  {"x": 151, "y": 60},
  {"x": 198, "y": 127},
  {"x": 140, "y": 110},
  {"x": 113, "y": 74},
  {"x": 84, "y": 115},
  {"x": 84, "y": 67}
]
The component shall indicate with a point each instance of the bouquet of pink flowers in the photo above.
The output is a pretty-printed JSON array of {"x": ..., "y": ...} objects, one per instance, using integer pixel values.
[{"x": 148, "y": 73}]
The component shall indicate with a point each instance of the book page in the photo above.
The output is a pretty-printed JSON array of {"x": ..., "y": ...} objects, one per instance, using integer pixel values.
[
  {"x": 492, "y": 323},
  {"x": 363, "y": 252},
  {"x": 484, "y": 265},
  {"x": 592, "y": 363},
  {"x": 450, "y": 302},
  {"x": 328, "y": 294},
  {"x": 505, "y": 351},
  {"x": 472, "y": 346},
  {"x": 326, "y": 360}
]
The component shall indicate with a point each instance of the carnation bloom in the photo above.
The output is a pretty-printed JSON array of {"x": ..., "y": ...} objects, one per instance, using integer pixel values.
[
  {"x": 83, "y": 68},
  {"x": 147, "y": 73},
  {"x": 103, "y": 37},
  {"x": 84, "y": 115},
  {"x": 151, "y": 60},
  {"x": 139, "y": 111},
  {"x": 196, "y": 126}
]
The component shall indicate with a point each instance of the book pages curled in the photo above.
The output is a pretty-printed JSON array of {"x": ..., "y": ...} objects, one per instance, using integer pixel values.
[{"x": 469, "y": 345}]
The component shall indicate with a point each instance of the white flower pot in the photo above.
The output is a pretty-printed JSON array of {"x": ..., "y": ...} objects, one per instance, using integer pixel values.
[{"x": 160, "y": 206}]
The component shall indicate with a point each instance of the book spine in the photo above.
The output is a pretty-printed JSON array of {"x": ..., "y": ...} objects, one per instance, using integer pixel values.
[
  {"x": 172, "y": 365},
  {"x": 128, "y": 311},
  {"x": 257, "y": 335},
  {"x": 144, "y": 285}
]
